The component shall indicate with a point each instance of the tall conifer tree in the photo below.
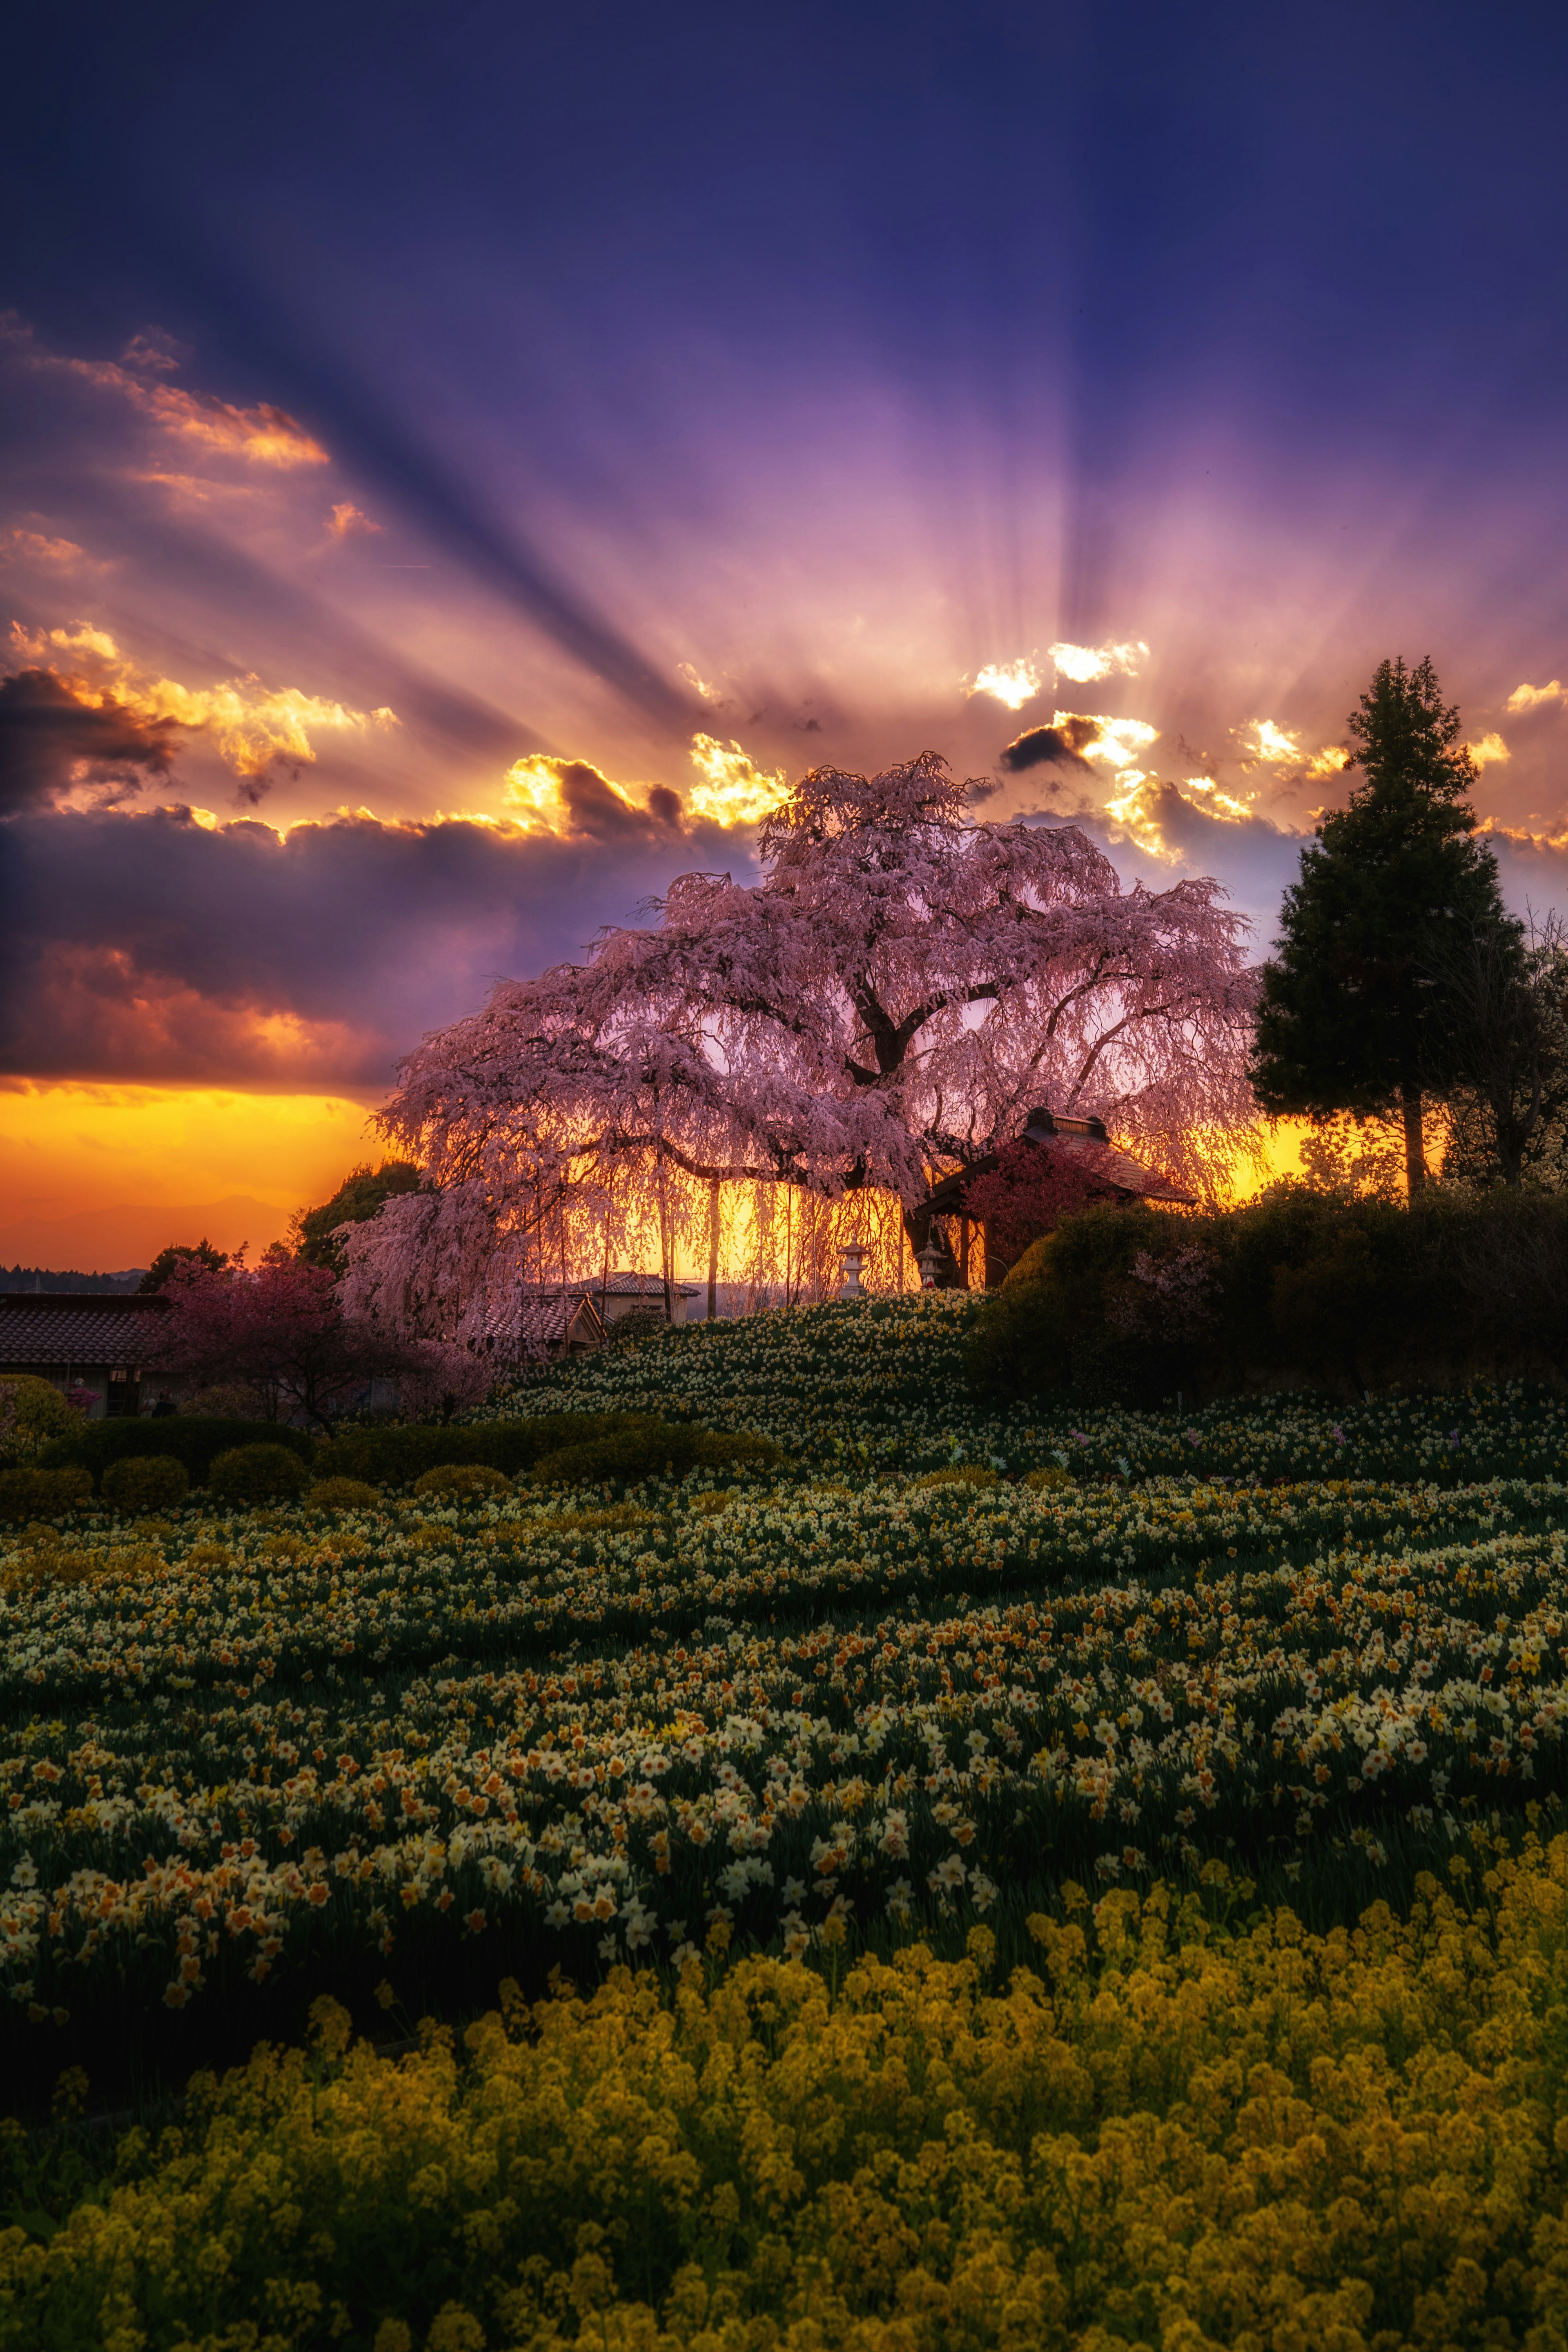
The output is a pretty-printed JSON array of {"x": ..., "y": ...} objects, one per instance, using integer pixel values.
[{"x": 1355, "y": 1015}]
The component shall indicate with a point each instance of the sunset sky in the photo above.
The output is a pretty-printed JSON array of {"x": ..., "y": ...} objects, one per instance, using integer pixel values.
[{"x": 459, "y": 465}]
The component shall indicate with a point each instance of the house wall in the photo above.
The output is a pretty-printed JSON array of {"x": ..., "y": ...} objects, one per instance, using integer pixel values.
[{"x": 134, "y": 1396}]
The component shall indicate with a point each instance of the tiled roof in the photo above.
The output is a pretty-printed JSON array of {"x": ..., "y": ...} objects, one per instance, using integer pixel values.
[
  {"x": 1116, "y": 1170},
  {"x": 64, "y": 1332},
  {"x": 631, "y": 1286}
]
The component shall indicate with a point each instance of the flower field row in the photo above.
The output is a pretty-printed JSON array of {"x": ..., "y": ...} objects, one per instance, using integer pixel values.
[
  {"x": 244, "y": 1747},
  {"x": 883, "y": 1383},
  {"x": 1165, "y": 2129}
]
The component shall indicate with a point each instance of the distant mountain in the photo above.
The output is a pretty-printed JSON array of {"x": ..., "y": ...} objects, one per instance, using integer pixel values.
[
  {"x": 42, "y": 1278},
  {"x": 129, "y": 1234}
]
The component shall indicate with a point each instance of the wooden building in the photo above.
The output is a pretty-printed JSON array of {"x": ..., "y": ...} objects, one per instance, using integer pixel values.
[
  {"x": 1110, "y": 1174},
  {"x": 97, "y": 1342}
]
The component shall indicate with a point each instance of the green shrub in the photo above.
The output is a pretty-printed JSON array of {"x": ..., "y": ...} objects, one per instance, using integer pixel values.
[
  {"x": 258, "y": 1473},
  {"x": 33, "y": 1414},
  {"x": 340, "y": 1495},
  {"x": 652, "y": 1450},
  {"x": 398, "y": 1454},
  {"x": 35, "y": 1494},
  {"x": 463, "y": 1481},
  {"x": 1298, "y": 1288},
  {"x": 193, "y": 1439},
  {"x": 145, "y": 1482}
]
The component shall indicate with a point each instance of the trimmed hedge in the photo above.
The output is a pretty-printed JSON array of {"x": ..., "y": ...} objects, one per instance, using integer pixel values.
[
  {"x": 43, "y": 1493},
  {"x": 340, "y": 1495},
  {"x": 397, "y": 1456},
  {"x": 463, "y": 1481},
  {"x": 655, "y": 1450},
  {"x": 1297, "y": 1288},
  {"x": 145, "y": 1482},
  {"x": 194, "y": 1440},
  {"x": 258, "y": 1473}
]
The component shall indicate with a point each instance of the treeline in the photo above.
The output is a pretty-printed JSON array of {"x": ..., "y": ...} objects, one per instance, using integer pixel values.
[
  {"x": 44, "y": 1278},
  {"x": 1297, "y": 1288}
]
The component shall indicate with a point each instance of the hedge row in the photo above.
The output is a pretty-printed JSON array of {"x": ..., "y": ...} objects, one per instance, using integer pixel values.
[
  {"x": 1127, "y": 1305},
  {"x": 397, "y": 1456},
  {"x": 194, "y": 1440}
]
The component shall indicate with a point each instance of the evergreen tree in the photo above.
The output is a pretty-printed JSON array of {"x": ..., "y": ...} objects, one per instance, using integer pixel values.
[
  {"x": 181, "y": 1254},
  {"x": 359, "y": 1195},
  {"x": 1355, "y": 1013}
]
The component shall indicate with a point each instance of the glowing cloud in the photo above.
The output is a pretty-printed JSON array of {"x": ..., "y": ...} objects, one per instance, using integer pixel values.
[
  {"x": 248, "y": 724},
  {"x": 1014, "y": 683},
  {"x": 698, "y": 685},
  {"x": 1216, "y": 802},
  {"x": 1272, "y": 742},
  {"x": 345, "y": 519},
  {"x": 733, "y": 790},
  {"x": 1084, "y": 664},
  {"x": 265, "y": 435},
  {"x": 1529, "y": 697},
  {"x": 1118, "y": 741},
  {"x": 31, "y": 546},
  {"x": 1489, "y": 752},
  {"x": 1331, "y": 760}
]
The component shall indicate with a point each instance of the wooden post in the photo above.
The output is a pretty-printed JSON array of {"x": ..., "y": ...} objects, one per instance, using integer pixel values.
[{"x": 713, "y": 1249}]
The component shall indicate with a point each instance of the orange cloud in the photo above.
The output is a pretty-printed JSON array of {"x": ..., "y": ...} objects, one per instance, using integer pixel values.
[
  {"x": 265, "y": 435},
  {"x": 31, "y": 546},
  {"x": 345, "y": 519},
  {"x": 1490, "y": 751},
  {"x": 248, "y": 724},
  {"x": 1529, "y": 697}
]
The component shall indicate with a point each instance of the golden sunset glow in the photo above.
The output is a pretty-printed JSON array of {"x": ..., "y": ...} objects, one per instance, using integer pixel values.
[
  {"x": 1530, "y": 697},
  {"x": 248, "y": 724},
  {"x": 1013, "y": 682},
  {"x": 1084, "y": 664},
  {"x": 1272, "y": 742},
  {"x": 732, "y": 789},
  {"x": 90, "y": 1174},
  {"x": 1118, "y": 741},
  {"x": 1490, "y": 751}
]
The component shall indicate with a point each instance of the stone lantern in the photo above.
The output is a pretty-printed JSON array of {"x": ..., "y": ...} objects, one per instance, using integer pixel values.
[{"x": 852, "y": 1257}]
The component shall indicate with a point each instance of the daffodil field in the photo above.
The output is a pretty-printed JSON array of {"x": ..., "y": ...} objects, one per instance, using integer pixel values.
[{"x": 996, "y": 1880}]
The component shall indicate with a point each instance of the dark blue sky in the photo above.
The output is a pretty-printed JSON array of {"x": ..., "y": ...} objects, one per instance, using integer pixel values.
[{"x": 763, "y": 376}]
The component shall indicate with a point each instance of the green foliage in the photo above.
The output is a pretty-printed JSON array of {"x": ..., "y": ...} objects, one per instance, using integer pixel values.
[
  {"x": 200, "y": 1254},
  {"x": 359, "y": 1196},
  {"x": 397, "y": 1455},
  {"x": 653, "y": 1450},
  {"x": 1299, "y": 1286},
  {"x": 194, "y": 1439},
  {"x": 1353, "y": 1017},
  {"x": 33, "y": 1413},
  {"x": 145, "y": 1482},
  {"x": 463, "y": 1481},
  {"x": 340, "y": 1495},
  {"x": 258, "y": 1473},
  {"x": 30, "y": 1493}
]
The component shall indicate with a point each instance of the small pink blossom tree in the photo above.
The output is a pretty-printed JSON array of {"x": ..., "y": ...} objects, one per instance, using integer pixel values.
[
  {"x": 885, "y": 1005},
  {"x": 274, "y": 1330}
]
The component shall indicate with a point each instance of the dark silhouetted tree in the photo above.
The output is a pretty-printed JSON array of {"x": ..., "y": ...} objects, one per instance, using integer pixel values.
[
  {"x": 196, "y": 1257},
  {"x": 358, "y": 1197},
  {"x": 1356, "y": 1014}
]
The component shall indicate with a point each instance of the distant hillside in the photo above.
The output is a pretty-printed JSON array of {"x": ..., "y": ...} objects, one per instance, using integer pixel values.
[
  {"x": 42, "y": 1277},
  {"x": 129, "y": 1234}
]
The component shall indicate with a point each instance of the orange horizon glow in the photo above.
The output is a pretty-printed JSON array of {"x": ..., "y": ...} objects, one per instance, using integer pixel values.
[
  {"x": 95, "y": 1179},
  {"x": 90, "y": 1174}
]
